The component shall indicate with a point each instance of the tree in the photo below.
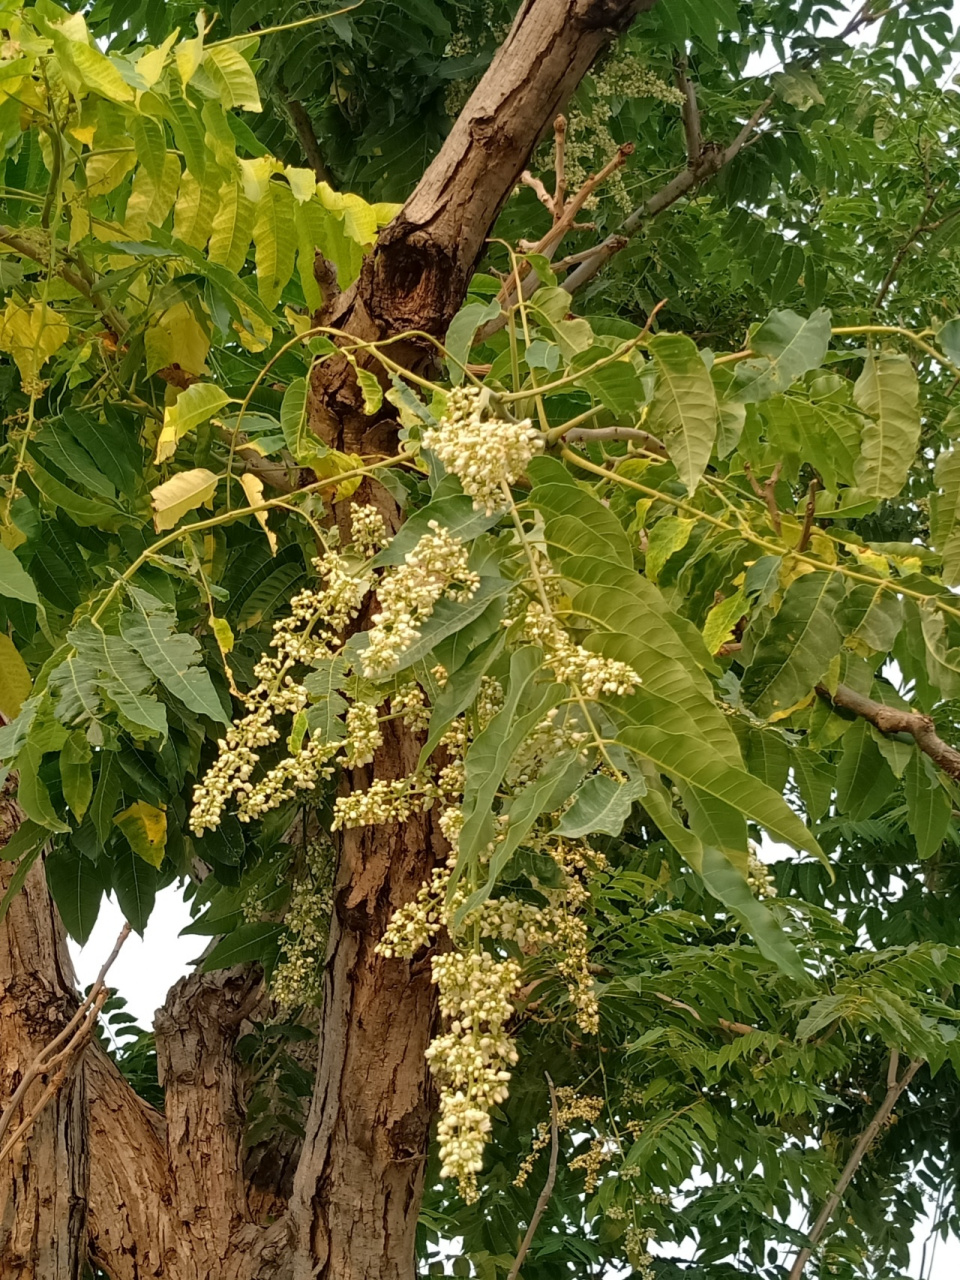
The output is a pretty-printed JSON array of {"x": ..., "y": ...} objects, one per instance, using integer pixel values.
[{"x": 452, "y": 650}]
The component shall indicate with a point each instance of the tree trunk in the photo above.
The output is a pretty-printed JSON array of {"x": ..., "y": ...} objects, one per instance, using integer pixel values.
[
  {"x": 43, "y": 1183},
  {"x": 360, "y": 1180}
]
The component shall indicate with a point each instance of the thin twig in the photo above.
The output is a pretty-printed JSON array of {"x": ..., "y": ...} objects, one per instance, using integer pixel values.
[
  {"x": 539, "y": 190},
  {"x": 306, "y": 135},
  {"x": 53, "y": 1060},
  {"x": 809, "y": 512},
  {"x": 895, "y": 1088},
  {"x": 559, "y": 165},
  {"x": 738, "y": 1028},
  {"x": 547, "y": 1191},
  {"x": 690, "y": 115},
  {"x": 766, "y": 491}
]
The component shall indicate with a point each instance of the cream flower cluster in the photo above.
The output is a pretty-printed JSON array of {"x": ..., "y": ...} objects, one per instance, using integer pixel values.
[
  {"x": 573, "y": 1109},
  {"x": 594, "y": 675},
  {"x": 472, "y": 1059},
  {"x": 759, "y": 878},
  {"x": 434, "y": 568},
  {"x": 298, "y": 978},
  {"x": 363, "y": 734},
  {"x": 484, "y": 454}
]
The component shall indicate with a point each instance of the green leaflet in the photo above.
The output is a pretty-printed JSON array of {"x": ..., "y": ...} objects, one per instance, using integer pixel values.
[
  {"x": 122, "y": 677},
  {"x": 325, "y": 713},
  {"x": 577, "y": 524},
  {"x": 61, "y": 447},
  {"x": 461, "y": 688},
  {"x": 791, "y": 345},
  {"x": 887, "y": 391},
  {"x": 461, "y": 333},
  {"x": 293, "y": 421},
  {"x": 74, "y": 685},
  {"x": 15, "y": 582},
  {"x": 928, "y": 805},
  {"x": 32, "y": 794},
  {"x": 19, "y": 877},
  {"x": 525, "y": 703},
  {"x": 722, "y": 879},
  {"x": 544, "y": 794},
  {"x": 814, "y": 778},
  {"x": 687, "y": 759},
  {"x": 601, "y": 805},
  {"x": 683, "y": 411},
  {"x": 257, "y": 943},
  {"x": 452, "y": 511},
  {"x": 864, "y": 779},
  {"x": 872, "y": 615},
  {"x": 135, "y": 882},
  {"x": 451, "y": 616},
  {"x": 800, "y": 642},
  {"x": 172, "y": 656},
  {"x": 76, "y": 774},
  {"x": 75, "y": 889}
]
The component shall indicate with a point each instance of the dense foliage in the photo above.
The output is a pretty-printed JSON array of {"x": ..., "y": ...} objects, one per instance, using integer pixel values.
[{"x": 647, "y": 555}]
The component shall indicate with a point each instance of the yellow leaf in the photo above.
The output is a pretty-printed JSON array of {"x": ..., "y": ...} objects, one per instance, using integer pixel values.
[
  {"x": 106, "y": 169},
  {"x": 146, "y": 830},
  {"x": 15, "y": 682},
  {"x": 232, "y": 228},
  {"x": 253, "y": 487},
  {"x": 150, "y": 201},
  {"x": 222, "y": 634},
  {"x": 720, "y": 621},
  {"x": 274, "y": 235},
  {"x": 31, "y": 334},
  {"x": 256, "y": 174},
  {"x": 177, "y": 338},
  {"x": 196, "y": 207},
  {"x": 303, "y": 183},
  {"x": 233, "y": 77},
  {"x": 192, "y": 407},
  {"x": 182, "y": 493},
  {"x": 150, "y": 65},
  {"x": 189, "y": 53},
  {"x": 85, "y": 68}
]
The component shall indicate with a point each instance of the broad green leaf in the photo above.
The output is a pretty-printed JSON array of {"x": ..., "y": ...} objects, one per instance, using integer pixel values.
[
  {"x": 145, "y": 828},
  {"x": 15, "y": 682},
  {"x": 887, "y": 391},
  {"x": 526, "y": 702},
  {"x": 86, "y": 512},
  {"x": 463, "y": 685},
  {"x": 15, "y": 582},
  {"x": 683, "y": 411},
  {"x": 928, "y": 805},
  {"x": 791, "y": 345},
  {"x": 106, "y": 796},
  {"x": 193, "y": 406},
  {"x": 577, "y": 524},
  {"x": 256, "y": 943},
  {"x": 182, "y": 493},
  {"x": 32, "y": 794},
  {"x": 27, "y": 837},
  {"x": 18, "y": 879},
  {"x": 727, "y": 884},
  {"x": 602, "y": 805},
  {"x": 451, "y": 616},
  {"x": 325, "y": 712},
  {"x": 76, "y": 774},
  {"x": 293, "y": 420},
  {"x": 864, "y": 779},
  {"x": 173, "y": 656},
  {"x": 135, "y": 883},
  {"x": 76, "y": 890},
  {"x": 815, "y": 779},
  {"x": 461, "y": 333},
  {"x": 74, "y": 685},
  {"x": 454, "y": 512},
  {"x": 123, "y": 677},
  {"x": 797, "y": 646},
  {"x": 60, "y": 446}
]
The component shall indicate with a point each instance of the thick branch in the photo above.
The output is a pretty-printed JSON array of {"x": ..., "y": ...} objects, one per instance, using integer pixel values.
[
  {"x": 895, "y": 1088},
  {"x": 894, "y": 720},
  {"x": 303, "y": 127}
]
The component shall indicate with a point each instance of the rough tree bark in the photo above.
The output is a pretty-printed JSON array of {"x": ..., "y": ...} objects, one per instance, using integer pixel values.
[
  {"x": 43, "y": 1182},
  {"x": 166, "y": 1196}
]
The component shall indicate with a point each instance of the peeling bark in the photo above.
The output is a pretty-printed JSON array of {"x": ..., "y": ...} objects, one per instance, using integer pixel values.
[{"x": 43, "y": 1182}]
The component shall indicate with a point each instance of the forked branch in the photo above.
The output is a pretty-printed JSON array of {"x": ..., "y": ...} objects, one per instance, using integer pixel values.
[
  {"x": 895, "y": 1087},
  {"x": 895, "y": 720}
]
